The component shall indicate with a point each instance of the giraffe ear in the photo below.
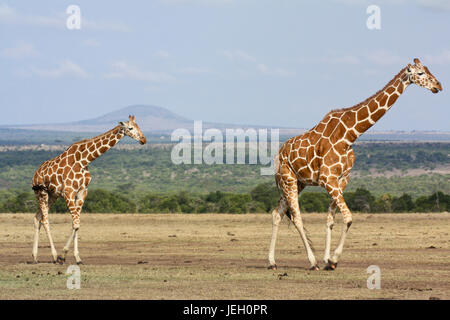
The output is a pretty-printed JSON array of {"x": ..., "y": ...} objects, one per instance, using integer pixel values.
[{"x": 121, "y": 123}]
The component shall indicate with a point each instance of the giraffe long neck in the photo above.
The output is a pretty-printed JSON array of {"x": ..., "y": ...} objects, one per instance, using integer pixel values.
[
  {"x": 360, "y": 118},
  {"x": 93, "y": 148}
]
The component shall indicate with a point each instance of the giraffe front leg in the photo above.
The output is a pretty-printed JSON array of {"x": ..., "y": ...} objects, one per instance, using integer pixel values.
[
  {"x": 330, "y": 221},
  {"x": 330, "y": 224},
  {"x": 74, "y": 202},
  {"x": 277, "y": 216},
  {"x": 337, "y": 196},
  {"x": 73, "y": 237},
  {"x": 62, "y": 259},
  {"x": 76, "y": 253},
  {"x": 81, "y": 196}
]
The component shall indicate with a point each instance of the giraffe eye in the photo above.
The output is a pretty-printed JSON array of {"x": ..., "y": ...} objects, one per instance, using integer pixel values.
[
  {"x": 420, "y": 73},
  {"x": 130, "y": 128}
]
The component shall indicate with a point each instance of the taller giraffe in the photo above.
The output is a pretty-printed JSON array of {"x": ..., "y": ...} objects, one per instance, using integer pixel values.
[
  {"x": 323, "y": 156},
  {"x": 67, "y": 175}
]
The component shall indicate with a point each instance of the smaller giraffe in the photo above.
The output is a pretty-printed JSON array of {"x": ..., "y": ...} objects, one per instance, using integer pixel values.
[{"x": 67, "y": 176}]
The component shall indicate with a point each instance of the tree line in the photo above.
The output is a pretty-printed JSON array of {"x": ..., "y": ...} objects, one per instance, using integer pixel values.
[{"x": 263, "y": 198}]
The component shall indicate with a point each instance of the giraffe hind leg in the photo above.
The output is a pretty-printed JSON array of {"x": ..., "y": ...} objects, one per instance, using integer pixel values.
[
  {"x": 277, "y": 216},
  {"x": 41, "y": 219},
  {"x": 37, "y": 228},
  {"x": 298, "y": 223}
]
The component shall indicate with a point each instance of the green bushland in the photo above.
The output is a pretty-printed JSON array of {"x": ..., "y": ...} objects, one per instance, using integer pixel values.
[
  {"x": 262, "y": 198},
  {"x": 144, "y": 179},
  {"x": 149, "y": 169}
]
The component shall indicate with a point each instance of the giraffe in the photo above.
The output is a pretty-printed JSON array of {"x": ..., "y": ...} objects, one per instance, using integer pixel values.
[
  {"x": 67, "y": 176},
  {"x": 323, "y": 156}
]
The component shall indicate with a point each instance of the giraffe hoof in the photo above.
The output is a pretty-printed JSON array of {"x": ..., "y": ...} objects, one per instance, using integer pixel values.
[
  {"x": 272, "y": 267},
  {"x": 80, "y": 262},
  {"x": 314, "y": 268},
  {"x": 60, "y": 260},
  {"x": 330, "y": 265}
]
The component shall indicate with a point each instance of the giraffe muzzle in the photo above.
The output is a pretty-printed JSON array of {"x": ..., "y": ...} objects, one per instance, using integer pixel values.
[
  {"x": 437, "y": 88},
  {"x": 143, "y": 140}
]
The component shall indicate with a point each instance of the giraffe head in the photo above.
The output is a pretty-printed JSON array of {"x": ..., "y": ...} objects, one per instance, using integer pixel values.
[
  {"x": 421, "y": 76},
  {"x": 131, "y": 129}
]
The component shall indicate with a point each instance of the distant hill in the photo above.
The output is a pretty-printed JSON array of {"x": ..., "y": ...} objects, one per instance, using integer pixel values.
[
  {"x": 146, "y": 114},
  {"x": 154, "y": 120},
  {"x": 149, "y": 118}
]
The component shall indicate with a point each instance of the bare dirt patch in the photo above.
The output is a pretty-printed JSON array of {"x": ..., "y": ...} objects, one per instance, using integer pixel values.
[{"x": 218, "y": 256}]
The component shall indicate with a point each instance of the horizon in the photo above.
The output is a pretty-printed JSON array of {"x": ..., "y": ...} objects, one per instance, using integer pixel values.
[
  {"x": 250, "y": 125},
  {"x": 220, "y": 61}
]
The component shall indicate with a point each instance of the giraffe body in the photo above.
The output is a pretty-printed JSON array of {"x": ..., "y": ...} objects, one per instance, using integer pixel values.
[
  {"x": 67, "y": 176},
  {"x": 323, "y": 156}
]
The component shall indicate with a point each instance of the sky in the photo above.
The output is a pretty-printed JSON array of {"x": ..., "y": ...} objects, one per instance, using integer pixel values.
[{"x": 281, "y": 63}]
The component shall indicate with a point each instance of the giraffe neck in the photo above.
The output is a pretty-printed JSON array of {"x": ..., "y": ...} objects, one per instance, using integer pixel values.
[
  {"x": 360, "y": 118},
  {"x": 93, "y": 148}
]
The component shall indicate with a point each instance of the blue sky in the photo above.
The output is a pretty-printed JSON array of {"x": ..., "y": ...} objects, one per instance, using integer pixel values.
[{"x": 281, "y": 62}]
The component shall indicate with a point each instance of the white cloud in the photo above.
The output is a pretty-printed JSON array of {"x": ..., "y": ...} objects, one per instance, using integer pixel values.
[
  {"x": 194, "y": 70},
  {"x": 161, "y": 54},
  {"x": 90, "y": 43},
  {"x": 198, "y": 2},
  {"x": 21, "y": 50},
  {"x": 430, "y": 4},
  {"x": 442, "y": 58},
  {"x": 152, "y": 88},
  {"x": 264, "y": 69},
  {"x": 123, "y": 70},
  {"x": 239, "y": 55},
  {"x": 64, "y": 68},
  {"x": 380, "y": 58},
  {"x": 9, "y": 15},
  {"x": 435, "y": 4},
  {"x": 104, "y": 26},
  {"x": 346, "y": 59},
  {"x": 369, "y": 2},
  {"x": 6, "y": 12},
  {"x": 385, "y": 58}
]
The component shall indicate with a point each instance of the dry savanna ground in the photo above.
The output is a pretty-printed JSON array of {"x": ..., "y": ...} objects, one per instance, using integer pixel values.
[{"x": 221, "y": 256}]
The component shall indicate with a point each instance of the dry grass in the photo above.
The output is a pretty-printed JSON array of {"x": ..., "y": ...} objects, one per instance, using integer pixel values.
[{"x": 219, "y": 256}]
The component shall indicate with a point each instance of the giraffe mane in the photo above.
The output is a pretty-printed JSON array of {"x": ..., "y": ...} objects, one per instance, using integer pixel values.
[
  {"x": 356, "y": 106},
  {"x": 93, "y": 138}
]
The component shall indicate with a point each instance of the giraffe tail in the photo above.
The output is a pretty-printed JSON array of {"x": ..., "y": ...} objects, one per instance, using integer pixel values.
[
  {"x": 37, "y": 187},
  {"x": 288, "y": 214}
]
